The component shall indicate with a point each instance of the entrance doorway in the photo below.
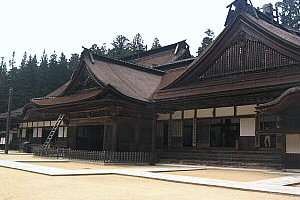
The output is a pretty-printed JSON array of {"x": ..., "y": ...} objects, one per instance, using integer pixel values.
[
  {"x": 224, "y": 132},
  {"x": 90, "y": 138}
]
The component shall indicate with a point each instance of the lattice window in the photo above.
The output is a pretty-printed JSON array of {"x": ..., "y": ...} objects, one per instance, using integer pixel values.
[{"x": 247, "y": 56}]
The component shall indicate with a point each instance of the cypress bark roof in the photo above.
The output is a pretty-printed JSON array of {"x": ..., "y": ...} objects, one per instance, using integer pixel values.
[
  {"x": 134, "y": 78},
  {"x": 160, "y": 56},
  {"x": 286, "y": 99},
  {"x": 78, "y": 97}
]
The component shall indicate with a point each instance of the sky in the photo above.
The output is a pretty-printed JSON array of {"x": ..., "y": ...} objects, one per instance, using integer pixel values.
[{"x": 67, "y": 25}]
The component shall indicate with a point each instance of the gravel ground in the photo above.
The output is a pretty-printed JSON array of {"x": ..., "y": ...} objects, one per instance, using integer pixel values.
[{"x": 19, "y": 185}]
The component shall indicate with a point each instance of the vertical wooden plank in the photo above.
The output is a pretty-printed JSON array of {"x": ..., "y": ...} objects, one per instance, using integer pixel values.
[
  {"x": 181, "y": 128},
  {"x": 137, "y": 134},
  {"x": 114, "y": 134},
  {"x": 104, "y": 145},
  {"x": 170, "y": 130},
  {"x": 154, "y": 130},
  {"x": 194, "y": 142}
]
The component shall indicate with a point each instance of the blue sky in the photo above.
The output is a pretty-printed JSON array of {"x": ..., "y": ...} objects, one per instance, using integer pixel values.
[{"x": 66, "y": 25}]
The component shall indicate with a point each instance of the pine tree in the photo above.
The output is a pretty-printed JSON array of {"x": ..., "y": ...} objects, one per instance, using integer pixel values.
[
  {"x": 74, "y": 62},
  {"x": 289, "y": 11},
  {"x": 99, "y": 50},
  {"x": 120, "y": 47},
  {"x": 3, "y": 85},
  {"x": 155, "y": 43},
  {"x": 137, "y": 44},
  {"x": 207, "y": 40}
]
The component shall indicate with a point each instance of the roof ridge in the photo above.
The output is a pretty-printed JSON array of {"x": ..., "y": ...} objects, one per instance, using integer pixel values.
[
  {"x": 151, "y": 51},
  {"x": 176, "y": 62},
  {"x": 92, "y": 55}
]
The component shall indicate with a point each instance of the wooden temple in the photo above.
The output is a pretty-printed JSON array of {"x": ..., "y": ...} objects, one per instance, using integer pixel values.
[{"x": 240, "y": 96}]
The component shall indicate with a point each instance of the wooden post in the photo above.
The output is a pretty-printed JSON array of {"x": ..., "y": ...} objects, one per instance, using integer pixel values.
[
  {"x": 114, "y": 135},
  {"x": 195, "y": 128},
  {"x": 137, "y": 134},
  {"x": 170, "y": 130},
  {"x": 8, "y": 120},
  {"x": 181, "y": 128},
  {"x": 153, "y": 144},
  {"x": 104, "y": 147}
]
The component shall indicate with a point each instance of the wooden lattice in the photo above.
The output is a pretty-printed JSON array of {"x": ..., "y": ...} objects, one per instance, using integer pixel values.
[{"x": 246, "y": 56}]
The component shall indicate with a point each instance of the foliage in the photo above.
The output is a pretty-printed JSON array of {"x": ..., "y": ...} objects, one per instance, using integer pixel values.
[
  {"x": 155, "y": 43},
  {"x": 206, "y": 41},
  {"x": 35, "y": 77},
  {"x": 120, "y": 47},
  {"x": 289, "y": 12},
  {"x": 137, "y": 44}
]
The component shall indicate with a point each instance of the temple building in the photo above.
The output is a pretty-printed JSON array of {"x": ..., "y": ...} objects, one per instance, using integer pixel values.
[{"x": 236, "y": 102}]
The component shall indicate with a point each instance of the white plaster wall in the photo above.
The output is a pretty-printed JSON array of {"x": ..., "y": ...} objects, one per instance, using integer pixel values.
[
  {"x": 293, "y": 143},
  {"x": 225, "y": 112},
  {"x": 205, "y": 113},
  {"x": 176, "y": 115},
  {"x": 163, "y": 116},
  {"x": 247, "y": 127},
  {"x": 189, "y": 114},
  {"x": 246, "y": 110}
]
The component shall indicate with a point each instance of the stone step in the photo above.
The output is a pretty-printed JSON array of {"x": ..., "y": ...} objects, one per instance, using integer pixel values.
[
  {"x": 221, "y": 158},
  {"x": 225, "y": 163}
]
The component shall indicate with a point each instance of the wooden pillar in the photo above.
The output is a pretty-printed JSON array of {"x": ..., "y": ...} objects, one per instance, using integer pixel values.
[
  {"x": 137, "y": 134},
  {"x": 153, "y": 144},
  {"x": 195, "y": 128},
  {"x": 170, "y": 130},
  {"x": 181, "y": 127},
  {"x": 114, "y": 135},
  {"x": 104, "y": 145}
]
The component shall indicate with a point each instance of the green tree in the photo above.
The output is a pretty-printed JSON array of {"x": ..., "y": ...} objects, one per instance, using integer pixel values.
[
  {"x": 3, "y": 85},
  {"x": 137, "y": 44},
  {"x": 206, "y": 41},
  {"x": 155, "y": 43},
  {"x": 74, "y": 62},
  {"x": 99, "y": 50},
  {"x": 120, "y": 47},
  {"x": 289, "y": 12}
]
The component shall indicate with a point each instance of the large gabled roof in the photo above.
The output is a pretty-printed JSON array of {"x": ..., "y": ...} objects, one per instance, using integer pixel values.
[
  {"x": 277, "y": 34},
  {"x": 123, "y": 78},
  {"x": 129, "y": 79}
]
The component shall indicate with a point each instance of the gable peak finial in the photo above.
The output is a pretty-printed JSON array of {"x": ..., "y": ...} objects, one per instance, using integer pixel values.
[{"x": 237, "y": 7}]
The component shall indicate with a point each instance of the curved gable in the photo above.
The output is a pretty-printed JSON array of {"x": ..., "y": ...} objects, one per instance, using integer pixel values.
[{"x": 246, "y": 45}]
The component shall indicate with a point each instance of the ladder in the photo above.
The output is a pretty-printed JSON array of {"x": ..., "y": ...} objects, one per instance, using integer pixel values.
[{"x": 52, "y": 132}]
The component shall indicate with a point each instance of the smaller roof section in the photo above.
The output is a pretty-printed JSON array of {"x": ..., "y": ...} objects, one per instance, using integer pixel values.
[
  {"x": 74, "y": 98},
  {"x": 160, "y": 56},
  {"x": 289, "y": 98},
  {"x": 129, "y": 79},
  {"x": 14, "y": 113}
]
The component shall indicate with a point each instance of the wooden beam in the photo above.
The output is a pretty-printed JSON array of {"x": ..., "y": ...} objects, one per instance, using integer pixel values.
[
  {"x": 195, "y": 129},
  {"x": 170, "y": 130},
  {"x": 114, "y": 135},
  {"x": 153, "y": 144},
  {"x": 137, "y": 133}
]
